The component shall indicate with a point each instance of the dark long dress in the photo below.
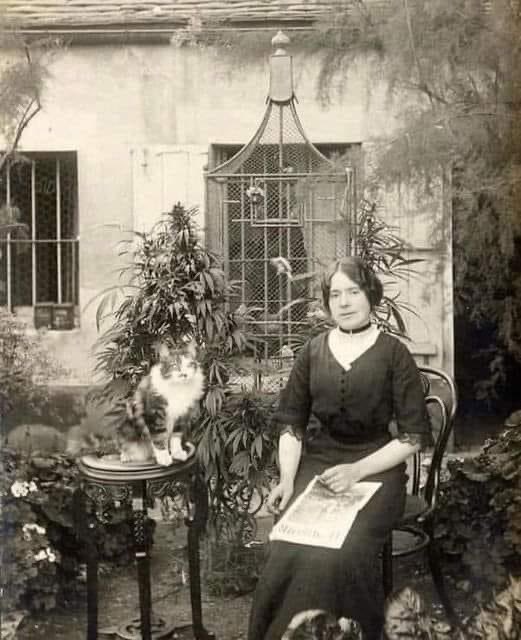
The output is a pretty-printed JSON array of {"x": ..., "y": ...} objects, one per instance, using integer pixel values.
[{"x": 343, "y": 415}]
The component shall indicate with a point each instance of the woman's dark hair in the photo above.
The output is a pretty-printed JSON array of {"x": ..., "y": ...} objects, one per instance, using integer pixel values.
[{"x": 357, "y": 271}]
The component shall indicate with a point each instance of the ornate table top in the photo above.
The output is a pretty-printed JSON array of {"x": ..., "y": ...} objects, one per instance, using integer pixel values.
[{"x": 109, "y": 469}]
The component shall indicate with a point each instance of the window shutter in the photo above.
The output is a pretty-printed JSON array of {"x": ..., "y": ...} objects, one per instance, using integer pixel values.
[{"x": 163, "y": 175}]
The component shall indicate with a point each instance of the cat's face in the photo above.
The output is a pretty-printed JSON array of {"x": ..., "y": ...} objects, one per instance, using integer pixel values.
[
  {"x": 316, "y": 624},
  {"x": 178, "y": 363}
]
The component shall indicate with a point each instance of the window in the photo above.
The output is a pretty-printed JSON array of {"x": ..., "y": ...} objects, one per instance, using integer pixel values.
[{"x": 39, "y": 268}]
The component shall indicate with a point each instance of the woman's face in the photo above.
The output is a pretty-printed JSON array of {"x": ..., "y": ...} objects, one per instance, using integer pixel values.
[{"x": 348, "y": 304}]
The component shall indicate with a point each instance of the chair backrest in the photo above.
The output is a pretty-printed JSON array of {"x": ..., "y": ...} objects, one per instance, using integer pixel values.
[{"x": 441, "y": 397}]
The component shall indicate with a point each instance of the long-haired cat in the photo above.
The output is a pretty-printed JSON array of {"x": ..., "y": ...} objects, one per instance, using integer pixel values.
[
  {"x": 153, "y": 428},
  {"x": 317, "y": 624}
]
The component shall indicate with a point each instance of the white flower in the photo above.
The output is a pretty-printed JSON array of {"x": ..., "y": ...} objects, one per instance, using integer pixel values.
[
  {"x": 50, "y": 554},
  {"x": 19, "y": 489},
  {"x": 27, "y": 528},
  {"x": 45, "y": 554}
]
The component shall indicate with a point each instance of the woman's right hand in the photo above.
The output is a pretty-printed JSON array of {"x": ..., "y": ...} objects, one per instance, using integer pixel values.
[{"x": 279, "y": 497}]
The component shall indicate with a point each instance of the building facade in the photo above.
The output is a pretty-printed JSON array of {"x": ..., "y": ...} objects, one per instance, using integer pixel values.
[{"x": 139, "y": 108}]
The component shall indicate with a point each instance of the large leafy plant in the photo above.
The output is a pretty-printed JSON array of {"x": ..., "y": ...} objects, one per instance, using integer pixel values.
[
  {"x": 40, "y": 555},
  {"x": 479, "y": 520},
  {"x": 407, "y": 618},
  {"x": 23, "y": 362},
  {"x": 173, "y": 288}
]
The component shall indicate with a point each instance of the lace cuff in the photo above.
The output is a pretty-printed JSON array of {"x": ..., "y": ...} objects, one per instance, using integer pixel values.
[
  {"x": 296, "y": 432},
  {"x": 424, "y": 439}
]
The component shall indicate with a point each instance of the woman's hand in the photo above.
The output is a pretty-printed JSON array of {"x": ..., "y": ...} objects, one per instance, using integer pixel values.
[
  {"x": 341, "y": 477},
  {"x": 279, "y": 497}
]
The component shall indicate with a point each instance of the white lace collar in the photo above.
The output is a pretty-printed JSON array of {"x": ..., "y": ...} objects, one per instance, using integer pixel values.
[{"x": 347, "y": 347}]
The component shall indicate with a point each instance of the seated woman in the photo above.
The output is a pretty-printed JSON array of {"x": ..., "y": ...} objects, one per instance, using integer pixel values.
[{"x": 346, "y": 386}]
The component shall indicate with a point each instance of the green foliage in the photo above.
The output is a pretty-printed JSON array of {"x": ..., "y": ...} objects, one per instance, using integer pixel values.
[
  {"x": 385, "y": 252},
  {"x": 23, "y": 360},
  {"x": 237, "y": 449},
  {"x": 232, "y": 570},
  {"x": 407, "y": 618},
  {"x": 40, "y": 550},
  {"x": 10, "y": 223},
  {"x": 479, "y": 515},
  {"x": 377, "y": 243}
]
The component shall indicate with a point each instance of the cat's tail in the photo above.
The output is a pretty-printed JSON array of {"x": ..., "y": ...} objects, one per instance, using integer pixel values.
[{"x": 131, "y": 427}]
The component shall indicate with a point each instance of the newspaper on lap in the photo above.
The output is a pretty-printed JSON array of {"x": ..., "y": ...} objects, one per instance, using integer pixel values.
[{"x": 321, "y": 518}]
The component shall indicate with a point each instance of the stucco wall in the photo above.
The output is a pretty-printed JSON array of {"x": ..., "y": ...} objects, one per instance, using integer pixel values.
[{"x": 141, "y": 119}]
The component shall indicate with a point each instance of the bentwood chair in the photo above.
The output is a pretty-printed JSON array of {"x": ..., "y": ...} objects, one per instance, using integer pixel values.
[{"x": 415, "y": 532}]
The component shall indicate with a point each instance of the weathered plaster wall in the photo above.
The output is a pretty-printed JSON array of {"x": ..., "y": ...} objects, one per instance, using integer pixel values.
[{"x": 141, "y": 119}]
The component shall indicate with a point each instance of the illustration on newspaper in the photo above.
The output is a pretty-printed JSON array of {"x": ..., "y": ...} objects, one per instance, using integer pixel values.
[{"x": 322, "y": 518}]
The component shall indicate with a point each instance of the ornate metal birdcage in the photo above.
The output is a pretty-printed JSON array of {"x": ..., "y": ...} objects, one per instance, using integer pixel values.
[{"x": 278, "y": 210}]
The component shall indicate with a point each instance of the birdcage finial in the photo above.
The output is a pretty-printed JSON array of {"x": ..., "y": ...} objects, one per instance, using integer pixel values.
[
  {"x": 281, "y": 71},
  {"x": 280, "y": 40}
]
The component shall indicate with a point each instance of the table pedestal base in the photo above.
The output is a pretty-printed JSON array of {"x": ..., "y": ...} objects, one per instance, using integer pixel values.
[
  {"x": 104, "y": 485},
  {"x": 131, "y": 630}
]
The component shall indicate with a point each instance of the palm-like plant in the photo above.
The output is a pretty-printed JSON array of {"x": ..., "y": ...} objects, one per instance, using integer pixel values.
[{"x": 386, "y": 254}]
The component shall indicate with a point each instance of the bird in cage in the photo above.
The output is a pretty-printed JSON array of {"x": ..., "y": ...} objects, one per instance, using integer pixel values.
[
  {"x": 316, "y": 624},
  {"x": 282, "y": 266}
]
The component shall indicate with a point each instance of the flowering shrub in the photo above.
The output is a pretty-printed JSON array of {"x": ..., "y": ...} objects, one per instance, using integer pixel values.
[
  {"x": 29, "y": 576},
  {"x": 40, "y": 552}
]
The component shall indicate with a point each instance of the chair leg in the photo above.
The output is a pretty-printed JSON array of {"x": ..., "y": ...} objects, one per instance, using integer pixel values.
[
  {"x": 387, "y": 566},
  {"x": 439, "y": 583}
]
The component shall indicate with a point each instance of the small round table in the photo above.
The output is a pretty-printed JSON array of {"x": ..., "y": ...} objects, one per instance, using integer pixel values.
[{"x": 105, "y": 483}]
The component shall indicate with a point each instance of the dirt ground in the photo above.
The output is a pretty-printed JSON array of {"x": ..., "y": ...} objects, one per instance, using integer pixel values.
[
  {"x": 118, "y": 599},
  {"x": 225, "y": 617}
]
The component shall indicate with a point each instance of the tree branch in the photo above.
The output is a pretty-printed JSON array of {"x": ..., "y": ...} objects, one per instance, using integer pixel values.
[
  {"x": 31, "y": 66},
  {"x": 32, "y": 109},
  {"x": 422, "y": 84},
  {"x": 20, "y": 128}
]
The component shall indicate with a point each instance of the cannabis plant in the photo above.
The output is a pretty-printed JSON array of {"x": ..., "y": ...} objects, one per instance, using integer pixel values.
[
  {"x": 376, "y": 242},
  {"x": 174, "y": 289}
]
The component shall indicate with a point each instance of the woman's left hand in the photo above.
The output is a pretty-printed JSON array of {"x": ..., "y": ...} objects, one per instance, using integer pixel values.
[{"x": 341, "y": 477}]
